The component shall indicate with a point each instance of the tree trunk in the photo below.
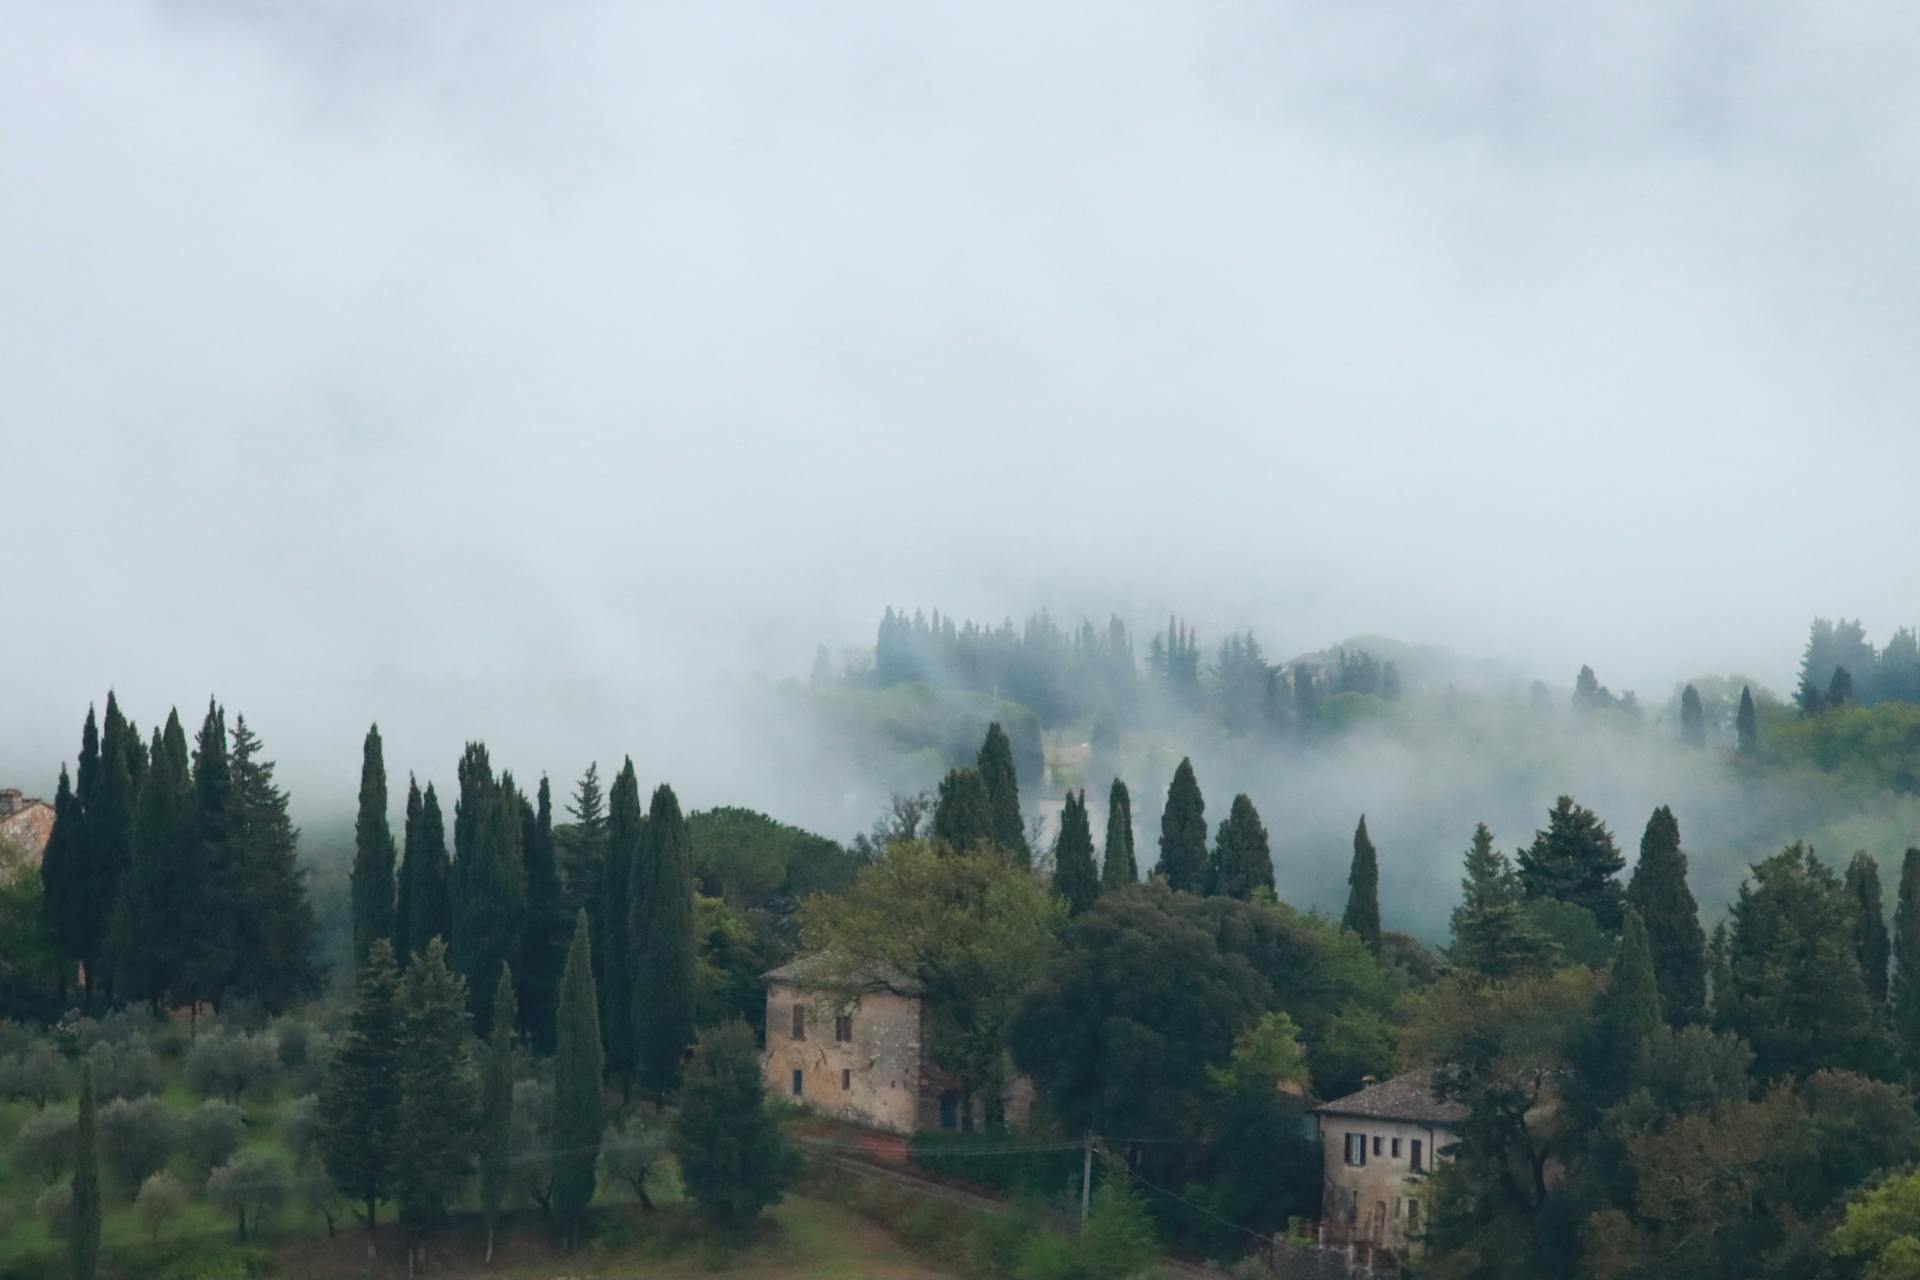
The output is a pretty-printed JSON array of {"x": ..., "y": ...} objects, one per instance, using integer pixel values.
[
  {"x": 372, "y": 1210},
  {"x": 646, "y": 1202}
]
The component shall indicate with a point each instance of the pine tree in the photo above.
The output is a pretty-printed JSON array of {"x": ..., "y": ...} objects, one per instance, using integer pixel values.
[
  {"x": 150, "y": 950},
  {"x": 733, "y": 1158},
  {"x": 578, "y": 1110},
  {"x": 1575, "y": 860},
  {"x": 1363, "y": 890},
  {"x": 1905, "y": 988},
  {"x": 489, "y": 880},
  {"x": 1074, "y": 876},
  {"x": 276, "y": 931},
  {"x": 663, "y": 946},
  {"x": 962, "y": 815},
  {"x": 1746, "y": 726},
  {"x": 64, "y": 899},
  {"x": 496, "y": 1107},
  {"x": 1183, "y": 833},
  {"x": 995, "y": 764},
  {"x": 1117, "y": 866},
  {"x": 360, "y": 1102},
  {"x": 425, "y": 881},
  {"x": 1626, "y": 1013},
  {"x": 1658, "y": 892},
  {"x": 1870, "y": 943},
  {"x": 1693, "y": 718},
  {"x": 433, "y": 1130},
  {"x": 1242, "y": 859},
  {"x": 1491, "y": 934},
  {"x": 541, "y": 951},
  {"x": 214, "y": 884},
  {"x": 580, "y": 848},
  {"x": 83, "y": 1239},
  {"x": 373, "y": 854},
  {"x": 625, "y": 831}
]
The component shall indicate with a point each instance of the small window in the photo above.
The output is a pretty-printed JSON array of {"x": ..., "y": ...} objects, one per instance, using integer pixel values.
[
  {"x": 799, "y": 1022},
  {"x": 1419, "y": 1164},
  {"x": 799, "y": 1083},
  {"x": 1413, "y": 1216},
  {"x": 846, "y": 1080},
  {"x": 1357, "y": 1149},
  {"x": 843, "y": 1028},
  {"x": 1396, "y": 1148},
  {"x": 1376, "y": 1144}
]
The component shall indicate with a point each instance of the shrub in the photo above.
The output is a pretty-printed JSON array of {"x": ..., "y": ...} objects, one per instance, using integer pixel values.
[
  {"x": 55, "y": 1207},
  {"x": 300, "y": 1129},
  {"x": 38, "y": 1075},
  {"x": 44, "y": 1146},
  {"x": 251, "y": 1186},
  {"x": 161, "y": 1199},
  {"x": 119, "y": 1027},
  {"x": 211, "y": 1133},
  {"x": 631, "y": 1151},
  {"x": 530, "y": 1142},
  {"x": 1046, "y": 1256},
  {"x": 227, "y": 1066},
  {"x": 136, "y": 1138},
  {"x": 1119, "y": 1239},
  {"x": 124, "y": 1069}
]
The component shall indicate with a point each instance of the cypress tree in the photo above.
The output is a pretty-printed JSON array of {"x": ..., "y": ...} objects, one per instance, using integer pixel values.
[
  {"x": 1074, "y": 876},
  {"x": 995, "y": 763},
  {"x": 424, "y": 911},
  {"x": 360, "y": 1102},
  {"x": 1575, "y": 860},
  {"x": 1746, "y": 726},
  {"x": 578, "y": 1064},
  {"x": 373, "y": 854},
  {"x": 1693, "y": 718},
  {"x": 215, "y": 883},
  {"x": 542, "y": 950},
  {"x": 109, "y": 828},
  {"x": 1905, "y": 989},
  {"x": 962, "y": 817},
  {"x": 1183, "y": 833},
  {"x": 1625, "y": 1014},
  {"x": 1363, "y": 890},
  {"x": 496, "y": 1107},
  {"x": 83, "y": 1241},
  {"x": 662, "y": 940},
  {"x": 1870, "y": 942},
  {"x": 1658, "y": 892},
  {"x": 1242, "y": 859},
  {"x": 150, "y": 949},
  {"x": 1491, "y": 935},
  {"x": 625, "y": 830},
  {"x": 403, "y": 877},
  {"x": 1117, "y": 866},
  {"x": 63, "y": 887},
  {"x": 276, "y": 931},
  {"x": 1719, "y": 974},
  {"x": 433, "y": 1130},
  {"x": 489, "y": 881}
]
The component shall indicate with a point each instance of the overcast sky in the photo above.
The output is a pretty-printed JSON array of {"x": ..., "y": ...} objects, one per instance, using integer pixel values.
[{"x": 526, "y": 370}]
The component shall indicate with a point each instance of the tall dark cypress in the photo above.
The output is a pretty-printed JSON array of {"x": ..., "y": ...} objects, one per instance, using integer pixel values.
[
  {"x": 1693, "y": 718},
  {"x": 86, "y": 782},
  {"x": 578, "y": 1066},
  {"x": 1183, "y": 833},
  {"x": 1905, "y": 988},
  {"x": 373, "y": 854},
  {"x": 1675, "y": 941},
  {"x": 496, "y": 1107},
  {"x": 962, "y": 814},
  {"x": 1118, "y": 869},
  {"x": 1242, "y": 858},
  {"x": 276, "y": 932},
  {"x": 1623, "y": 1017},
  {"x": 542, "y": 950},
  {"x": 83, "y": 1232},
  {"x": 663, "y": 946},
  {"x": 215, "y": 884},
  {"x": 403, "y": 880},
  {"x": 429, "y": 904},
  {"x": 489, "y": 881},
  {"x": 150, "y": 949},
  {"x": 360, "y": 1102},
  {"x": 110, "y": 829},
  {"x": 625, "y": 825},
  {"x": 63, "y": 881},
  {"x": 1746, "y": 725},
  {"x": 1074, "y": 876},
  {"x": 1363, "y": 890},
  {"x": 1003, "y": 794},
  {"x": 1870, "y": 942},
  {"x": 1575, "y": 860}
]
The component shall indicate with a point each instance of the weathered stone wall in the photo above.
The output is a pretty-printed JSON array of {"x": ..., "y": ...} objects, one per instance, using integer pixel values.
[
  {"x": 1292, "y": 1261},
  {"x": 1389, "y": 1196},
  {"x": 872, "y": 1079}
]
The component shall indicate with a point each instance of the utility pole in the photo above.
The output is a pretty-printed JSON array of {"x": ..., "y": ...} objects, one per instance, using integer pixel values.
[{"x": 1086, "y": 1180}]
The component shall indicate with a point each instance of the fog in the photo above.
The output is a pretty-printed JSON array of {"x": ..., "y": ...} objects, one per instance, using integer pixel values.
[{"x": 550, "y": 374}]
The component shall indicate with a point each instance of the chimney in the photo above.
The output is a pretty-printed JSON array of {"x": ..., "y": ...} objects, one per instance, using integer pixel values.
[{"x": 10, "y": 802}]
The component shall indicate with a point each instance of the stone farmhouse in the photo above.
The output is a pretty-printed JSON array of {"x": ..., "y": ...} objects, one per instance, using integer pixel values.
[
  {"x": 1379, "y": 1145},
  {"x": 25, "y": 823},
  {"x": 852, "y": 1047}
]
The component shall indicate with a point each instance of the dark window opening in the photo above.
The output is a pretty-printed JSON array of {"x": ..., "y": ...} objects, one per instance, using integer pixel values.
[
  {"x": 797, "y": 1083},
  {"x": 1376, "y": 1146},
  {"x": 1419, "y": 1165},
  {"x": 1396, "y": 1148},
  {"x": 846, "y": 1080},
  {"x": 1357, "y": 1149},
  {"x": 799, "y": 1022},
  {"x": 843, "y": 1028}
]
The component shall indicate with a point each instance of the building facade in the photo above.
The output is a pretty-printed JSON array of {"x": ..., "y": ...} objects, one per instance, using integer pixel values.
[
  {"x": 1378, "y": 1146},
  {"x": 26, "y": 824}
]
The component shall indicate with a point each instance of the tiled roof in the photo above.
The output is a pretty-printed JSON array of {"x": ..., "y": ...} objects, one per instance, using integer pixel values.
[
  {"x": 1408, "y": 1097},
  {"x": 832, "y": 972}
]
